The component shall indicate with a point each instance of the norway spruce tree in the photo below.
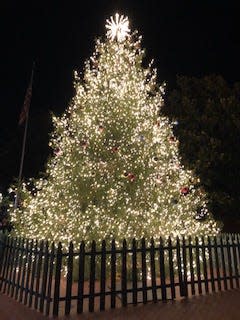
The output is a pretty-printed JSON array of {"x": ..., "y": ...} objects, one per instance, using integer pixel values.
[{"x": 115, "y": 170}]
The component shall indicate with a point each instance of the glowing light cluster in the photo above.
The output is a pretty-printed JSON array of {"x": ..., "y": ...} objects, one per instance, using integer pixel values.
[
  {"x": 118, "y": 28},
  {"x": 116, "y": 171}
]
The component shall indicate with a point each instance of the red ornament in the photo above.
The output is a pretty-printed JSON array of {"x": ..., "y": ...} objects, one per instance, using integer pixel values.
[
  {"x": 131, "y": 177},
  {"x": 84, "y": 144},
  {"x": 185, "y": 191},
  {"x": 172, "y": 139},
  {"x": 58, "y": 151},
  {"x": 100, "y": 128},
  {"x": 115, "y": 149}
]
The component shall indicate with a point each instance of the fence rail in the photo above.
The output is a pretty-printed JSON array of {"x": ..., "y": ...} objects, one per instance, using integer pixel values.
[{"x": 56, "y": 281}]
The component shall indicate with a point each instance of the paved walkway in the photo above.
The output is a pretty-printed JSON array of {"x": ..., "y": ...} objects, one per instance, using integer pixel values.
[
  {"x": 218, "y": 306},
  {"x": 10, "y": 309}
]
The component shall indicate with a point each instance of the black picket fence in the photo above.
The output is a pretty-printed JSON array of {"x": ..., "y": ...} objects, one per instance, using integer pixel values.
[{"x": 56, "y": 281}]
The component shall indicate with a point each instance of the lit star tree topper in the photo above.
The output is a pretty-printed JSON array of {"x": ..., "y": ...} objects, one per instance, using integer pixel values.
[{"x": 118, "y": 28}]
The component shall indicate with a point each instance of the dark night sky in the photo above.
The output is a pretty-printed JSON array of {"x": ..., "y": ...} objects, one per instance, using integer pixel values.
[{"x": 192, "y": 38}]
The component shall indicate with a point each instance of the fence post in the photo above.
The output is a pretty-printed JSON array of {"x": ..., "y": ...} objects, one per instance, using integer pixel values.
[
  {"x": 153, "y": 270},
  {"x": 162, "y": 270},
  {"x": 205, "y": 266},
  {"x": 50, "y": 276},
  {"x": 12, "y": 262},
  {"x": 57, "y": 280},
  {"x": 134, "y": 272},
  {"x": 44, "y": 278},
  {"x": 38, "y": 274},
  {"x": 29, "y": 265},
  {"x": 238, "y": 244},
  {"x": 25, "y": 251},
  {"x": 69, "y": 279},
  {"x": 15, "y": 267},
  {"x": 179, "y": 264},
  {"x": 223, "y": 263},
  {"x": 81, "y": 269},
  {"x": 191, "y": 265},
  {"x": 198, "y": 266},
  {"x": 124, "y": 273},
  {"x": 20, "y": 263},
  {"x": 184, "y": 261},
  {"x": 144, "y": 271},
  {"x": 92, "y": 277},
  {"x": 235, "y": 260},
  {"x": 103, "y": 276},
  {"x": 211, "y": 264},
  {"x": 33, "y": 273},
  {"x": 171, "y": 269},
  {"x": 229, "y": 261},
  {"x": 217, "y": 263},
  {"x": 113, "y": 274}
]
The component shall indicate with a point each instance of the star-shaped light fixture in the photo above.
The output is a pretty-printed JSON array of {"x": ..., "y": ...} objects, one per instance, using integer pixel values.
[{"x": 117, "y": 27}]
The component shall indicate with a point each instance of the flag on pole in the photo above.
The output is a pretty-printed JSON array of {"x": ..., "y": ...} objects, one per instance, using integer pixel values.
[{"x": 27, "y": 100}]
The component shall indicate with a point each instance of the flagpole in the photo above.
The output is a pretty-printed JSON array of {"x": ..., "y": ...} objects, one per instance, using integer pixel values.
[{"x": 23, "y": 148}]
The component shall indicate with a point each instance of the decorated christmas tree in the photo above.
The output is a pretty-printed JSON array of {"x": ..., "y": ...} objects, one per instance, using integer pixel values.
[{"x": 115, "y": 171}]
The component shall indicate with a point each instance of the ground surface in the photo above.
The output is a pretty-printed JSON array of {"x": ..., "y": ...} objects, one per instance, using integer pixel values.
[{"x": 218, "y": 306}]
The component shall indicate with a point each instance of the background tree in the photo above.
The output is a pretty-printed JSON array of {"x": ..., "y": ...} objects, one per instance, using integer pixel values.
[
  {"x": 207, "y": 116},
  {"x": 116, "y": 170}
]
